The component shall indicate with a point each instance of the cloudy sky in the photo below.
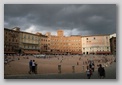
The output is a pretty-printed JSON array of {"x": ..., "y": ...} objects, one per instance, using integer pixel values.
[{"x": 74, "y": 19}]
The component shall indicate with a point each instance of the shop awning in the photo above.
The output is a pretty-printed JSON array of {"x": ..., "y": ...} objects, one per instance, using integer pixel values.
[
  {"x": 103, "y": 52},
  {"x": 9, "y": 52},
  {"x": 31, "y": 52}
]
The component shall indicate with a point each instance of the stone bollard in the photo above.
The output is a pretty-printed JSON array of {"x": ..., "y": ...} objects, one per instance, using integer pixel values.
[
  {"x": 73, "y": 69},
  {"x": 18, "y": 58},
  {"x": 83, "y": 68},
  {"x": 79, "y": 58},
  {"x": 61, "y": 61},
  {"x": 77, "y": 63},
  {"x": 59, "y": 68}
]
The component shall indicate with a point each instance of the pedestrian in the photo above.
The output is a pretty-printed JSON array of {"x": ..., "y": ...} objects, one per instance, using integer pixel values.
[
  {"x": 88, "y": 72},
  {"x": 30, "y": 66},
  {"x": 36, "y": 68},
  {"x": 101, "y": 72},
  {"x": 33, "y": 66},
  {"x": 77, "y": 63},
  {"x": 92, "y": 67}
]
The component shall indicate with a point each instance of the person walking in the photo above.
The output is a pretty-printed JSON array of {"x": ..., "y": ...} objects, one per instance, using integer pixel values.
[
  {"x": 88, "y": 72},
  {"x": 30, "y": 66},
  {"x": 101, "y": 72},
  {"x": 33, "y": 66},
  {"x": 92, "y": 67}
]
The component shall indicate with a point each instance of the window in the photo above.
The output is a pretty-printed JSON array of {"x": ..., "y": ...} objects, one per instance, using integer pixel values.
[
  {"x": 86, "y": 38},
  {"x": 94, "y": 38},
  {"x": 28, "y": 37},
  {"x": 5, "y": 36},
  {"x": 24, "y": 36},
  {"x": 32, "y": 37}
]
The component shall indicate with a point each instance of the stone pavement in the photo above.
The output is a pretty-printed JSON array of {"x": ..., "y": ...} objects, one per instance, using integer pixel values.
[{"x": 110, "y": 74}]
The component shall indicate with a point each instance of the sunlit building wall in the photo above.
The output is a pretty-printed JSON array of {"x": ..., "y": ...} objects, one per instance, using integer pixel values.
[
  {"x": 98, "y": 44},
  {"x": 29, "y": 42},
  {"x": 61, "y": 44}
]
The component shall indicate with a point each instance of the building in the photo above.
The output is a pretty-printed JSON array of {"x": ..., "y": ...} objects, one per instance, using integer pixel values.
[
  {"x": 16, "y": 41},
  {"x": 113, "y": 43},
  {"x": 29, "y": 43},
  {"x": 96, "y": 44},
  {"x": 44, "y": 43},
  {"x": 11, "y": 40},
  {"x": 113, "y": 35},
  {"x": 61, "y": 44},
  {"x": 75, "y": 44}
]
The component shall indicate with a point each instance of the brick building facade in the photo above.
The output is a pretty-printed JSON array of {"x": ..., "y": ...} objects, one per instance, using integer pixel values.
[
  {"x": 97, "y": 44},
  {"x": 16, "y": 41},
  {"x": 11, "y": 41}
]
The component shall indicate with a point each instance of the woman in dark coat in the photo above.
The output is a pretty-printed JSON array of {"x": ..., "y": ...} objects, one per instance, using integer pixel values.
[{"x": 101, "y": 71}]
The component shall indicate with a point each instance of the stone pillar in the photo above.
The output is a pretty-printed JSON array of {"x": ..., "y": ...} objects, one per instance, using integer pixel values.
[
  {"x": 73, "y": 69},
  {"x": 77, "y": 63},
  {"x": 61, "y": 61},
  {"x": 83, "y": 68},
  {"x": 59, "y": 68}
]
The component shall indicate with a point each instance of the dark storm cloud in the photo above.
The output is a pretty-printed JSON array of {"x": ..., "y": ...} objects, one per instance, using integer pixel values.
[{"x": 73, "y": 18}]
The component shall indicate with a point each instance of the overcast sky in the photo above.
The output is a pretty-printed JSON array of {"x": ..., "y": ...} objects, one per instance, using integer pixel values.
[{"x": 74, "y": 19}]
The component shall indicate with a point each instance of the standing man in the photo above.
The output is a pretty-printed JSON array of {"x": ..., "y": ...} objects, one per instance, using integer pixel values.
[
  {"x": 101, "y": 72},
  {"x": 88, "y": 72},
  {"x": 34, "y": 70},
  {"x": 93, "y": 66},
  {"x": 30, "y": 66}
]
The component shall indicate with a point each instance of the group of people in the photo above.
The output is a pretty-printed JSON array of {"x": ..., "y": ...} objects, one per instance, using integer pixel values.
[
  {"x": 90, "y": 70},
  {"x": 33, "y": 67}
]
